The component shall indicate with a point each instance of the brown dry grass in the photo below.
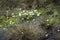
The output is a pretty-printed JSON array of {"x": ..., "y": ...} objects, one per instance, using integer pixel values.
[{"x": 25, "y": 32}]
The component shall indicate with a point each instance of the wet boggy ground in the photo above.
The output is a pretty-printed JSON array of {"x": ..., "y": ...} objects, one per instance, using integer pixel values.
[{"x": 52, "y": 32}]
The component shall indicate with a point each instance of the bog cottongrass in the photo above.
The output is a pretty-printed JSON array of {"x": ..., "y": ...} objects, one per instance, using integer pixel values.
[{"x": 25, "y": 32}]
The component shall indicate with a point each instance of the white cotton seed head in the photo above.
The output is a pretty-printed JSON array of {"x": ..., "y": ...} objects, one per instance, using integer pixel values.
[
  {"x": 23, "y": 10},
  {"x": 20, "y": 9},
  {"x": 27, "y": 17},
  {"x": 33, "y": 19},
  {"x": 47, "y": 20},
  {"x": 19, "y": 14},
  {"x": 7, "y": 11},
  {"x": 10, "y": 22},
  {"x": 31, "y": 12},
  {"x": 38, "y": 14},
  {"x": 35, "y": 10},
  {"x": 27, "y": 21},
  {"x": 22, "y": 32},
  {"x": 13, "y": 16},
  {"x": 25, "y": 13},
  {"x": 58, "y": 30},
  {"x": 46, "y": 35},
  {"x": 22, "y": 18}
]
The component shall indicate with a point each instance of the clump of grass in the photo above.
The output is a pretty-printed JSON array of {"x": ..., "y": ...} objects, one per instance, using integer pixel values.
[{"x": 25, "y": 32}]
